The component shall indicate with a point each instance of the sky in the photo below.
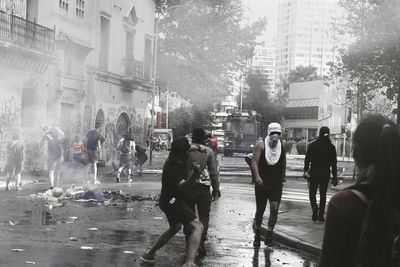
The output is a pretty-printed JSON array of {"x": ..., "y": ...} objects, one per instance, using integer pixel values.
[{"x": 256, "y": 9}]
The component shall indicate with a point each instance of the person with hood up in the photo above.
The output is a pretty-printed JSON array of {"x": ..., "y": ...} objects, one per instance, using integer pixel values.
[
  {"x": 269, "y": 167},
  {"x": 321, "y": 154}
]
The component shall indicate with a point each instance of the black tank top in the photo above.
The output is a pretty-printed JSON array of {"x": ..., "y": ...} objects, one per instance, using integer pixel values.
[{"x": 271, "y": 174}]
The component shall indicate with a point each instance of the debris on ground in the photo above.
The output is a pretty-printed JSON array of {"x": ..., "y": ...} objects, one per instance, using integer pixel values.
[{"x": 84, "y": 194}]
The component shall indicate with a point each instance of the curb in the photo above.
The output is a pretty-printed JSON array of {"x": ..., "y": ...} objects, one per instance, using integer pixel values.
[{"x": 293, "y": 242}]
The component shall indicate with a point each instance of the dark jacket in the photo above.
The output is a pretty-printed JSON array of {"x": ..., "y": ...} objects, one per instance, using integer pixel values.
[{"x": 322, "y": 155}]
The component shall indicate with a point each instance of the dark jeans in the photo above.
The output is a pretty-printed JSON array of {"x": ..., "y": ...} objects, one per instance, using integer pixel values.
[
  {"x": 319, "y": 179},
  {"x": 201, "y": 198}
]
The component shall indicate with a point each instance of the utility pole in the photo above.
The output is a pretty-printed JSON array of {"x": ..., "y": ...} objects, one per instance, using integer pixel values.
[{"x": 154, "y": 85}]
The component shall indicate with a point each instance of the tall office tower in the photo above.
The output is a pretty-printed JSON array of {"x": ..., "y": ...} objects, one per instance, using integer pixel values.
[
  {"x": 305, "y": 36},
  {"x": 264, "y": 62}
]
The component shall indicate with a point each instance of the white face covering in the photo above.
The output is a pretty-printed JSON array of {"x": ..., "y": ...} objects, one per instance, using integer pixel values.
[{"x": 273, "y": 146}]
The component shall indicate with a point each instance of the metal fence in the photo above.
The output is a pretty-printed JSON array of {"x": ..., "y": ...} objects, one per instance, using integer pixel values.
[{"x": 26, "y": 33}]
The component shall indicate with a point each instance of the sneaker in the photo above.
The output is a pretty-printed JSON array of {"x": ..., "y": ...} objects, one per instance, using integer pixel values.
[
  {"x": 148, "y": 258},
  {"x": 19, "y": 188},
  {"x": 315, "y": 213},
  {"x": 97, "y": 182},
  {"x": 321, "y": 218},
  {"x": 7, "y": 188},
  {"x": 118, "y": 179},
  {"x": 130, "y": 180}
]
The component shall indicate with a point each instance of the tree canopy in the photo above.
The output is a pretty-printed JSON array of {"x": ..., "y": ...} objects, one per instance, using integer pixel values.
[
  {"x": 303, "y": 74},
  {"x": 199, "y": 42},
  {"x": 258, "y": 99},
  {"x": 372, "y": 61}
]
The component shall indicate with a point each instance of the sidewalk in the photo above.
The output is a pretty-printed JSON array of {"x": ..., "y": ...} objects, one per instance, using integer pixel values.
[{"x": 296, "y": 229}]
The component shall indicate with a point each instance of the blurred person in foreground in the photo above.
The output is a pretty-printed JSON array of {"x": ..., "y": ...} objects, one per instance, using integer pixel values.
[
  {"x": 14, "y": 161},
  {"x": 321, "y": 154},
  {"x": 363, "y": 221},
  {"x": 269, "y": 167},
  {"x": 201, "y": 197},
  {"x": 176, "y": 183}
]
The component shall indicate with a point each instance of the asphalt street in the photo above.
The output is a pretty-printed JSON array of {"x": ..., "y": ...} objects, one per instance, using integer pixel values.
[{"x": 74, "y": 233}]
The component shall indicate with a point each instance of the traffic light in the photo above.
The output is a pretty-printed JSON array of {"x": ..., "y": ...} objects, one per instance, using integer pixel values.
[{"x": 349, "y": 95}]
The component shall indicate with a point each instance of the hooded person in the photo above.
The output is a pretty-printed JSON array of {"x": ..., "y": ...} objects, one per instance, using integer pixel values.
[
  {"x": 176, "y": 183},
  {"x": 269, "y": 167},
  {"x": 319, "y": 162}
]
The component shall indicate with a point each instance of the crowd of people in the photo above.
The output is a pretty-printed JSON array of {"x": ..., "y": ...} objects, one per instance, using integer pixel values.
[
  {"x": 86, "y": 155},
  {"x": 362, "y": 222}
]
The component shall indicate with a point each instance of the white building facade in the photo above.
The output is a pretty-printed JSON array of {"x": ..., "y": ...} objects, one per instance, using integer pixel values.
[{"x": 305, "y": 36}]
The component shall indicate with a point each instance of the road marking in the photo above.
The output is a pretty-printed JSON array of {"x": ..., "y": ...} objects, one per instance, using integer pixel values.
[{"x": 292, "y": 195}]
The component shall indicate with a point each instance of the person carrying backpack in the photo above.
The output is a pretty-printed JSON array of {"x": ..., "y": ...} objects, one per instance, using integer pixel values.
[
  {"x": 363, "y": 221},
  {"x": 14, "y": 161},
  {"x": 53, "y": 137},
  {"x": 127, "y": 147}
]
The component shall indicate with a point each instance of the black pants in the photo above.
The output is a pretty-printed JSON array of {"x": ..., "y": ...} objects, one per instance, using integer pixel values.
[
  {"x": 319, "y": 179},
  {"x": 202, "y": 199}
]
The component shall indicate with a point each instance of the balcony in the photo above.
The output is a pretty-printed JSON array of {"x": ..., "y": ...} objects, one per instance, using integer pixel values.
[
  {"x": 25, "y": 33},
  {"x": 134, "y": 68},
  {"x": 133, "y": 77}
]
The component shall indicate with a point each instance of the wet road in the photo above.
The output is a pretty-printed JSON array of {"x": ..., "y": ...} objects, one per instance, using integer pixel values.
[{"x": 71, "y": 233}]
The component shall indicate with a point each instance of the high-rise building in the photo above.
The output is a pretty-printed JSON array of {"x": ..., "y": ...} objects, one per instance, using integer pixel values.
[
  {"x": 264, "y": 62},
  {"x": 305, "y": 36}
]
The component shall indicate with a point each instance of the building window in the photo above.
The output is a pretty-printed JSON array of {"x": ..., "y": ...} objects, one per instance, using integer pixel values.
[
  {"x": 80, "y": 8},
  {"x": 104, "y": 42},
  {"x": 301, "y": 113},
  {"x": 63, "y": 4}
]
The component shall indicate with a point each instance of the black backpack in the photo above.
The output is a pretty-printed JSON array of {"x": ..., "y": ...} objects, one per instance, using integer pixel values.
[{"x": 126, "y": 146}]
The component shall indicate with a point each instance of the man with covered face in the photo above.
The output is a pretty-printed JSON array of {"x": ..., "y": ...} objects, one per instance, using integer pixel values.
[{"x": 269, "y": 167}]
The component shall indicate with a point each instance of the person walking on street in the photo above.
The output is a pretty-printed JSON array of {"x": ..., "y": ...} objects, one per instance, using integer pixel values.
[
  {"x": 176, "y": 181},
  {"x": 201, "y": 197},
  {"x": 141, "y": 158},
  {"x": 94, "y": 141},
  {"x": 128, "y": 152},
  {"x": 269, "y": 167},
  {"x": 53, "y": 137},
  {"x": 321, "y": 154},
  {"x": 14, "y": 161},
  {"x": 363, "y": 221}
]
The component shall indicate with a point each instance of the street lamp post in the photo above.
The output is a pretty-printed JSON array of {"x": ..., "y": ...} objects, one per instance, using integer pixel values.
[{"x": 157, "y": 19}]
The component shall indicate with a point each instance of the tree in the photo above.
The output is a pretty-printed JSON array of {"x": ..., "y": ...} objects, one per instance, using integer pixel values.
[
  {"x": 186, "y": 118},
  {"x": 372, "y": 61},
  {"x": 303, "y": 74},
  {"x": 257, "y": 99},
  {"x": 200, "y": 41}
]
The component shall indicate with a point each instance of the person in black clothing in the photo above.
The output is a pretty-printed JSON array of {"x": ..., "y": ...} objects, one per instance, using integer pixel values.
[
  {"x": 322, "y": 156},
  {"x": 172, "y": 202},
  {"x": 94, "y": 141},
  {"x": 269, "y": 167}
]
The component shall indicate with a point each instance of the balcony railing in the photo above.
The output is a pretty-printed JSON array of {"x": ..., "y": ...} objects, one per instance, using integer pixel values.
[
  {"x": 26, "y": 33},
  {"x": 134, "y": 68}
]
